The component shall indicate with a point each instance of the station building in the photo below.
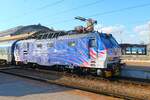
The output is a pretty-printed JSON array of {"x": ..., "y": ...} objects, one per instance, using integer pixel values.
[{"x": 135, "y": 51}]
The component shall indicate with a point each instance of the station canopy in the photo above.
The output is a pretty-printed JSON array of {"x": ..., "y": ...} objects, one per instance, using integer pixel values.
[{"x": 23, "y": 29}]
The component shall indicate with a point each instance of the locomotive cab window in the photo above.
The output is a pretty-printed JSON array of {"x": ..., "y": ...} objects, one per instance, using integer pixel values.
[
  {"x": 17, "y": 47},
  {"x": 92, "y": 43}
]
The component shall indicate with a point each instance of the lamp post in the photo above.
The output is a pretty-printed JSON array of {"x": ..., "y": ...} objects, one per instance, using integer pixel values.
[
  {"x": 149, "y": 33},
  {"x": 120, "y": 33},
  {"x": 148, "y": 46}
]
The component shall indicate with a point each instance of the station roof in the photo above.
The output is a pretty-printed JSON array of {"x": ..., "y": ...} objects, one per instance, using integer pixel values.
[
  {"x": 131, "y": 45},
  {"x": 23, "y": 29}
]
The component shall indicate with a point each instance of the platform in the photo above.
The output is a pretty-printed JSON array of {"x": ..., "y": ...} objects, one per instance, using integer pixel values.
[
  {"x": 16, "y": 88},
  {"x": 136, "y": 71}
]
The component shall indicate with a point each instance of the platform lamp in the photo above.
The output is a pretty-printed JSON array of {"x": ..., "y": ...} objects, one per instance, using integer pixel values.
[
  {"x": 149, "y": 32},
  {"x": 148, "y": 46}
]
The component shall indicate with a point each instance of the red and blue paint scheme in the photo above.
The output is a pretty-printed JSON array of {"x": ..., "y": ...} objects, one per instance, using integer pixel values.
[{"x": 91, "y": 50}]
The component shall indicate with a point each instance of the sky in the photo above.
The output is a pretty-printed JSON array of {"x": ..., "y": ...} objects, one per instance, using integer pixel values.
[{"x": 127, "y": 20}]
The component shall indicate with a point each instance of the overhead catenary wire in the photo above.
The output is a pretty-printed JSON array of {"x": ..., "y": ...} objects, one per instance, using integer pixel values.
[
  {"x": 120, "y": 10},
  {"x": 61, "y": 12},
  {"x": 46, "y": 6},
  {"x": 76, "y": 8},
  {"x": 37, "y": 9},
  {"x": 51, "y": 4},
  {"x": 82, "y": 6},
  {"x": 112, "y": 11},
  {"x": 79, "y": 7}
]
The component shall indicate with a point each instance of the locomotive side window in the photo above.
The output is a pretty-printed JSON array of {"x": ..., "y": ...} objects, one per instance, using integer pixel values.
[
  {"x": 72, "y": 44},
  {"x": 39, "y": 45},
  {"x": 50, "y": 45},
  {"x": 92, "y": 43},
  {"x": 28, "y": 46}
]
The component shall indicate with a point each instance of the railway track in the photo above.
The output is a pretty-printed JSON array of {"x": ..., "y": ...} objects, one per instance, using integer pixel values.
[
  {"x": 120, "y": 88},
  {"x": 124, "y": 80}
]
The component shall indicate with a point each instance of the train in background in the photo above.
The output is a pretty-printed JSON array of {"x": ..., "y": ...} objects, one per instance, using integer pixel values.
[{"x": 88, "y": 51}]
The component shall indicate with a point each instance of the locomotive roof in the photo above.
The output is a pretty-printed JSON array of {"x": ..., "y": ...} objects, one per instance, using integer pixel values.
[
  {"x": 62, "y": 34},
  {"x": 55, "y": 34}
]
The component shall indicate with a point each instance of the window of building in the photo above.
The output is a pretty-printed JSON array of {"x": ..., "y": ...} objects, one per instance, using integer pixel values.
[
  {"x": 128, "y": 50},
  {"x": 135, "y": 50}
]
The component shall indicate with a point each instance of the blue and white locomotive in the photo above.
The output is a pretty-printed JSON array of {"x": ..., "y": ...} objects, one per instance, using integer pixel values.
[
  {"x": 91, "y": 51},
  {"x": 82, "y": 48}
]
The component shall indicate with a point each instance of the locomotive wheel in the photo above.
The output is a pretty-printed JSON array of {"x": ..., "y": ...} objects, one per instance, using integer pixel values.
[
  {"x": 98, "y": 72},
  {"x": 117, "y": 71},
  {"x": 3, "y": 62},
  {"x": 32, "y": 65}
]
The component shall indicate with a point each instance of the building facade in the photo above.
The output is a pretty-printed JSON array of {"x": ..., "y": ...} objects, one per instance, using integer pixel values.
[{"x": 135, "y": 51}]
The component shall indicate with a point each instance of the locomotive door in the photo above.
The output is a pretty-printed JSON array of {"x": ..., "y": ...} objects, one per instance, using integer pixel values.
[
  {"x": 25, "y": 52},
  {"x": 93, "y": 49}
]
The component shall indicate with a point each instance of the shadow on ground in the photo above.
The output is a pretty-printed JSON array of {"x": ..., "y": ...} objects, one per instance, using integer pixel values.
[{"x": 15, "y": 86}]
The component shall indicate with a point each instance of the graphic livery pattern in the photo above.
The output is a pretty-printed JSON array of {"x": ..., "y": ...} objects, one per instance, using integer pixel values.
[{"x": 69, "y": 51}]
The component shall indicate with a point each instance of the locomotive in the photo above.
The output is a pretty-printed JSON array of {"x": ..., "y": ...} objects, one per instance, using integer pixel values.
[{"x": 92, "y": 51}]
